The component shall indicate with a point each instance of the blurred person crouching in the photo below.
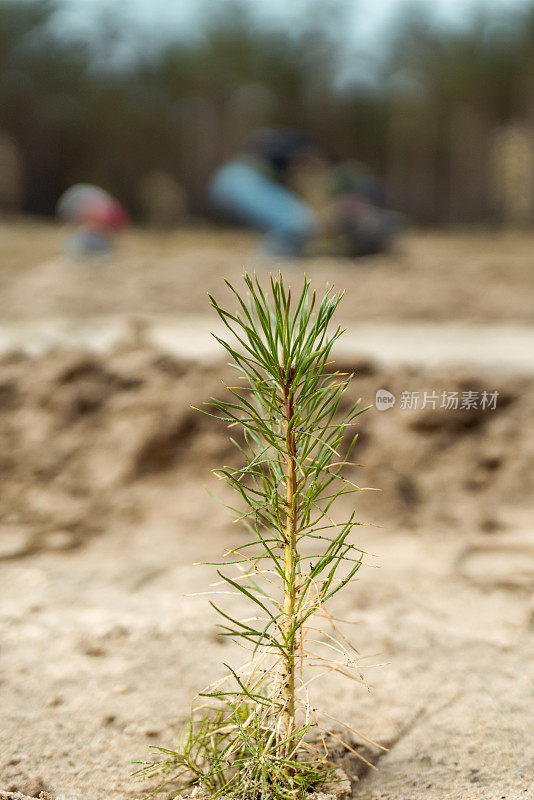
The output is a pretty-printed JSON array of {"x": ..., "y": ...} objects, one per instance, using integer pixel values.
[
  {"x": 360, "y": 219},
  {"x": 97, "y": 215},
  {"x": 285, "y": 184},
  {"x": 253, "y": 189}
]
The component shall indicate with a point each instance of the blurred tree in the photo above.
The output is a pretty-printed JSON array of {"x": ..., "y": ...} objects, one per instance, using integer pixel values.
[{"x": 111, "y": 108}]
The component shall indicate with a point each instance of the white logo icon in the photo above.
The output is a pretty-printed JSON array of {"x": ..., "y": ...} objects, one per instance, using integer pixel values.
[{"x": 384, "y": 400}]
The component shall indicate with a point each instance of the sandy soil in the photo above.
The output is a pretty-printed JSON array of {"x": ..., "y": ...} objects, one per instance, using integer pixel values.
[
  {"x": 429, "y": 276},
  {"x": 103, "y": 511}
]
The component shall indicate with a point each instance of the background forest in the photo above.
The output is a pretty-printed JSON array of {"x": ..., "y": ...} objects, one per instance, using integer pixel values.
[{"x": 435, "y": 113}]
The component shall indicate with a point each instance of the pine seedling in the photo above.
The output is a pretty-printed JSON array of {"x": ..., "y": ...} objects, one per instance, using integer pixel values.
[{"x": 255, "y": 734}]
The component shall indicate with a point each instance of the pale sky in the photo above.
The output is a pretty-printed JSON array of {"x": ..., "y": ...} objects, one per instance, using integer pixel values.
[
  {"x": 371, "y": 17},
  {"x": 369, "y": 22}
]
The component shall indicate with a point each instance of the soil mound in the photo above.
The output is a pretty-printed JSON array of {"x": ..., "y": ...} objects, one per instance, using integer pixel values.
[{"x": 81, "y": 434}]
